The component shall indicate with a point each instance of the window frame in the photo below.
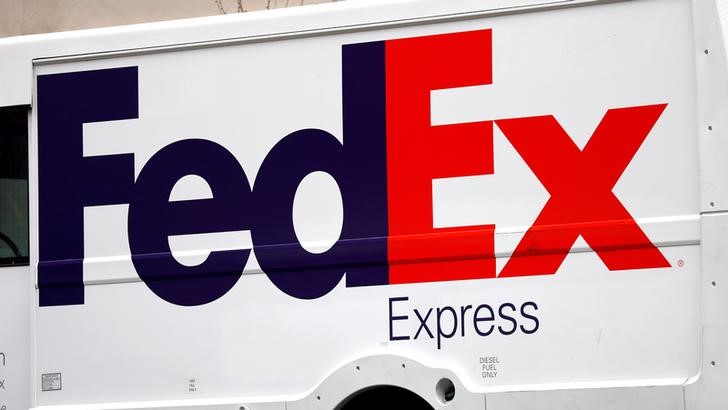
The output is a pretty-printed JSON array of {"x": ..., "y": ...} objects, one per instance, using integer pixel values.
[{"x": 12, "y": 119}]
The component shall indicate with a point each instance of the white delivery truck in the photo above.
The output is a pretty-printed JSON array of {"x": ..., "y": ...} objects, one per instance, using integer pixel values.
[{"x": 504, "y": 204}]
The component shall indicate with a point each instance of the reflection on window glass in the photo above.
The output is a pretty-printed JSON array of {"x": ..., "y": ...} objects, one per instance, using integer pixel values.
[{"x": 13, "y": 186}]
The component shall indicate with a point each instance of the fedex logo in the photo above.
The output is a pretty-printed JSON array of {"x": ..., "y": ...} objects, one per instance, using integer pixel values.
[{"x": 384, "y": 169}]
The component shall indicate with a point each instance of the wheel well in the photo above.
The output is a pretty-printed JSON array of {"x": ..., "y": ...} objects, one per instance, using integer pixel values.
[{"x": 384, "y": 397}]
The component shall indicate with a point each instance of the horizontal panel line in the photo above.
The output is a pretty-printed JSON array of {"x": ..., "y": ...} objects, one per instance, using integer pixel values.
[
  {"x": 284, "y": 35},
  {"x": 361, "y": 251},
  {"x": 575, "y": 250}
]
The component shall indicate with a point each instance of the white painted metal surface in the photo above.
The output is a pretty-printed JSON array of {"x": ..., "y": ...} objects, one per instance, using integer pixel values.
[
  {"x": 16, "y": 285},
  {"x": 638, "y": 338}
]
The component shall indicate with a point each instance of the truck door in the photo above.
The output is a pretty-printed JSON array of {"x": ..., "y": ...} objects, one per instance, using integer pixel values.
[{"x": 15, "y": 279}]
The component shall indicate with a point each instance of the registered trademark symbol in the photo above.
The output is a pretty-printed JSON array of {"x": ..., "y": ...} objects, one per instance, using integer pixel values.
[{"x": 680, "y": 263}]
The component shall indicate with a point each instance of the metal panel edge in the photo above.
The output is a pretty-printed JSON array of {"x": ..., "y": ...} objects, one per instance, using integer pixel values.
[{"x": 19, "y": 53}]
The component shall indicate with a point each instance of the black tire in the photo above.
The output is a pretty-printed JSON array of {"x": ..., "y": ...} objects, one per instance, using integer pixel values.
[{"x": 384, "y": 398}]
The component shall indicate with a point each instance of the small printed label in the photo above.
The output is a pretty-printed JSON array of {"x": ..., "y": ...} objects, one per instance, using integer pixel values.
[
  {"x": 51, "y": 382},
  {"x": 489, "y": 367}
]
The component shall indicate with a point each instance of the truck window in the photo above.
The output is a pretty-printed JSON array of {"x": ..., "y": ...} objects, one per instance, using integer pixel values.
[{"x": 13, "y": 186}]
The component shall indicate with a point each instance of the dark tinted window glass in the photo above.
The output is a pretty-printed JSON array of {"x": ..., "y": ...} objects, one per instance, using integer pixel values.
[{"x": 13, "y": 186}]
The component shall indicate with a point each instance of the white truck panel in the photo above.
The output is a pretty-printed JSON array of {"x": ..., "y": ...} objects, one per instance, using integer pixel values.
[{"x": 594, "y": 337}]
